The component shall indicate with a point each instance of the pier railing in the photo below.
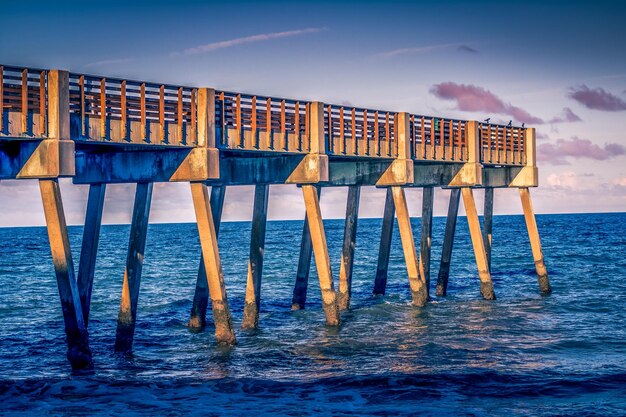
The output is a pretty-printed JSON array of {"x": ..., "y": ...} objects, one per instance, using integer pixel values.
[{"x": 104, "y": 109}]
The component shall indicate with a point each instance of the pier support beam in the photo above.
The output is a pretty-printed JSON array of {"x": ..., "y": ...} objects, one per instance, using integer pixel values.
[
  {"x": 322, "y": 260},
  {"x": 224, "y": 332},
  {"x": 426, "y": 236},
  {"x": 197, "y": 321},
  {"x": 347, "y": 251},
  {"x": 78, "y": 352},
  {"x": 89, "y": 249},
  {"x": 127, "y": 316},
  {"x": 255, "y": 263},
  {"x": 448, "y": 242},
  {"x": 416, "y": 283},
  {"x": 304, "y": 265},
  {"x": 488, "y": 223},
  {"x": 486, "y": 286},
  {"x": 535, "y": 242},
  {"x": 380, "y": 283}
]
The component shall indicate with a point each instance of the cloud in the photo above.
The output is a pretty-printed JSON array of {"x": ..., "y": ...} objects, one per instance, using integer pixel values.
[
  {"x": 105, "y": 62},
  {"x": 477, "y": 99},
  {"x": 473, "y": 98},
  {"x": 416, "y": 50},
  {"x": 263, "y": 37},
  {"x": 468, "y": 49},
  {"x": 567, "y": 116},
  {"x": 597, "y": 98},
  {"x": 557, "y": 153}
]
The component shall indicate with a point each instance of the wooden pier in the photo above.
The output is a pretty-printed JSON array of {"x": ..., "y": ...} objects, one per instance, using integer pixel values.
[{"x": 100, "y": 130}]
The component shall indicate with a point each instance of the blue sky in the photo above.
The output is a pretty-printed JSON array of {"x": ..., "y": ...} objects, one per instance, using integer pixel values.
[{"x": 546, "y": 63}]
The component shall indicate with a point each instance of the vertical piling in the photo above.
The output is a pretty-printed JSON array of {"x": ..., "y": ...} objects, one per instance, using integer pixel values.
[
  {"x": 488, "y": 223},
  {"x": 416, "y": 283},
  {"x": 304, "y": 265},
  {"x": 197, "y": 320},
  {"x": 448, "y": 242},
  {"x": 535, "y": 242},
  {"x": 255, "y": 263},
  {"x": 78, "y": 352},
  {"x": 384, "y": 250},
  {"x": 426, "y": 235},
  {"x": 322, "y": 260},
  {"x": 486, "y": 286},
  {"x": 224, "y": 332},
  {"x": 127, "y": 316},
  {"x": 347, "y": 251},
  {"x": 89, "y": 249}
]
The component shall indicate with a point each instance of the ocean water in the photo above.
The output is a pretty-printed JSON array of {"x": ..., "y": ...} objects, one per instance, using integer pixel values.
[{"x": 523, "y": 354}]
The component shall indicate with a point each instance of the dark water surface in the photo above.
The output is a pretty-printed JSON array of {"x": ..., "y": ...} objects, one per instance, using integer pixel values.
[{"x": 523, "y": 354}]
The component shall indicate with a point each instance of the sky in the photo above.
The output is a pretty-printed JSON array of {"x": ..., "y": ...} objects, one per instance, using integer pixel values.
[{"x": 559, "y": 66}]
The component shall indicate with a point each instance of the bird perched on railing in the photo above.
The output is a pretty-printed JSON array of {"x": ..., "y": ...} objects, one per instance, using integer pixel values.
[
  {"x": 487, "y": 119},
  {"x": 510, "y": 123},
  {"x": 523, "y": 125}
]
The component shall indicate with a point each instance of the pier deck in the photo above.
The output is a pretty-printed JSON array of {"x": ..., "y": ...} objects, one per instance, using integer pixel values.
[{"x": 100, "y": 130}]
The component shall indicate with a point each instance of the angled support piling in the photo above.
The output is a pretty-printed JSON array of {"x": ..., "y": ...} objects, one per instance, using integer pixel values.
[
  {"x": 347, "y": 251},
  {"x": 224, "y": 332},
  {"x": 300, "y": 288},
  {"x": 535, "y": 242},
  {"x": 426, "y": 235},
  {"x": 78, "y": 352},
  {"x": 197, "y": 320},
  {"x": 89, "y": 249},
  {"x": 488, "y": 223},
  {"x": 416, "y": 283},
  {"x": 486, "y": 286},
  {"x": 322, "y": 260},
  {"x": 384, "y": 250},
  {"x": 255, "y": 263},
  {"x": 127, "y": 317},
  {"x": 448, "y": 242}
]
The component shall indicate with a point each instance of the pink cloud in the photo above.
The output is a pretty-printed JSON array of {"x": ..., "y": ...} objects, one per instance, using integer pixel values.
[
  {"x": 567, "y": 116},
  {"x": 477, "y": 99},
  {"x": 557, "y": 153},
  {"x": 597, "y": 98}
]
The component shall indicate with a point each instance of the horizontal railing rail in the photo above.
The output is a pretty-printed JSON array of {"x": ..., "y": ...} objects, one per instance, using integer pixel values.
[
  {"x": 23, "y": 101},
  {"x": 107, "y": 109},
  {"x": 118, "y": 110},
  {"x": 353, "y": 131},
  {"x": 252, "y": 122},
  {"x": 502, "y": 145}
]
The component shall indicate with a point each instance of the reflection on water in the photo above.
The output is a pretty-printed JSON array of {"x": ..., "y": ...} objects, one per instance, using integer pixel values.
[{"x": 522, "y": 354}]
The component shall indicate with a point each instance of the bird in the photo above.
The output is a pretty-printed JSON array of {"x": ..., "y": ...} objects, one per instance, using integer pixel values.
[
  {"x": 523, "y": 125},
  {"x": 487, "y": 119},
  {"x": 510, "y": 123}
]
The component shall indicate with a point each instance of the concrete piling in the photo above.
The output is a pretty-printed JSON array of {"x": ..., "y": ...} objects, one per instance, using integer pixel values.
[
  {"x": 127, "y": 317},
  {"x": 488, "y": 223},
  {"x": 418, "y": 286},
  {"x": 426, "y": 236},
  {"x": 301, "y": 285},
  {"x": 347, "y": 251},
  {"x": 255, "y": 263},
  {"x": 448, "y": 242},
  {"x": 78, "y": 352},
  {"x": 486, "y": 286},
  {"x": 89, "y": 249},
  {"x": 322, "y": 260},
  {"x": 197, "y": 320},
  {"x": 535, "y": 242},
  {"x": 380, "y": 283},
  {"x": 222, "y": 319}
]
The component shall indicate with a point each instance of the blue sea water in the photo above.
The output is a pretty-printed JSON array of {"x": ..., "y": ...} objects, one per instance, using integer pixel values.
[{"x": 523, "y": 354}]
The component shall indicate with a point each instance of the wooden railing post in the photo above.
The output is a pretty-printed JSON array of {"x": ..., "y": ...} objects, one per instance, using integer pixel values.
[{"x": 400, "y": 171}]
